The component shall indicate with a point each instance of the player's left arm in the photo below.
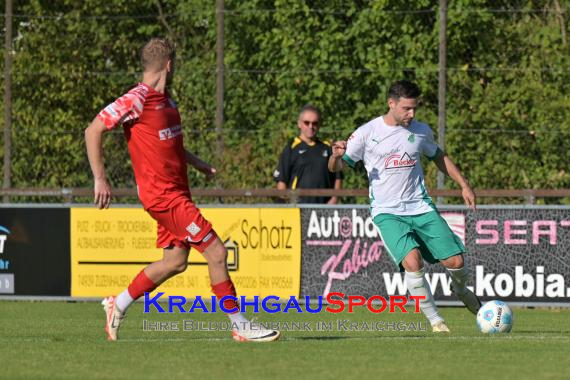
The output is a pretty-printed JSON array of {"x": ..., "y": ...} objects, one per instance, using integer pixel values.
[
  {"x": 444, "y": 163},
  {"x": 199, "y": 164}
]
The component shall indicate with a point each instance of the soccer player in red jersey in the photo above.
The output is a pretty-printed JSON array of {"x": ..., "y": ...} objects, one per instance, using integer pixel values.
[{"x": 153, "y": 130}]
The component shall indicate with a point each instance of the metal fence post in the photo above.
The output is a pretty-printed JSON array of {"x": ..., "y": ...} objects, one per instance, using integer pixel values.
[
  {"x": 441, "y": 92},
  {"x": 7, "y": 182}
]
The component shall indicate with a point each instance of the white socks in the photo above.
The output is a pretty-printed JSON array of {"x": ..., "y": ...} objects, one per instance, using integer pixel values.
[
  {"x": 459, "y": 278},
  {"x": 124, "y": 300},
  {"x": 418, "y": 286},
  {"x": 239, "y": 320}
]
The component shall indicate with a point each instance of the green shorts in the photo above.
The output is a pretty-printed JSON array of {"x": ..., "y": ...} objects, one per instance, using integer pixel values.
[{"x": 428, "y": 232}]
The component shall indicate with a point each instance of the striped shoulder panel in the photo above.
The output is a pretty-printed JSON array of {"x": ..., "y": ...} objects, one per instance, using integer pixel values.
[
  {"x": 140, "y": 92},
  {"x": 126, "y": 108}
]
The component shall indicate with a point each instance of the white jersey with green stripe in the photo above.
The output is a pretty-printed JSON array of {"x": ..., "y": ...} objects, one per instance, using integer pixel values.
[{"x": 391, "y": 155}]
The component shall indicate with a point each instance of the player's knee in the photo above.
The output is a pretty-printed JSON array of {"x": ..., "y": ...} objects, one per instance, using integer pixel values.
[
  {"x": 454, "y": 262},
  {"x": 219, "y": 260},
  {"x": 217, "y": 256},
  {"x": 180, "y": 267},
  {"x": 413, "y": 262},
  {"x": 176, "y": 266},
  {"x": 412, "y": 266}
]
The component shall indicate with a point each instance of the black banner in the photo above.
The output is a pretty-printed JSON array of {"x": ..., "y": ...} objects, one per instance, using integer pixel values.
[
  {"x": 34, "y": 252},
  {"x": 514, "y": 254}
]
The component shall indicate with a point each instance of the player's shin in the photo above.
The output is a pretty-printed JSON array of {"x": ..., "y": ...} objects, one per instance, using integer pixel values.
[
  {"x": 418, "y": 286},
  {"x": 226, "y": 288},
  {"x": 140, "y": 285},
  {"x": 459, "y": 279},
  {"x": 242, "y": 329}
]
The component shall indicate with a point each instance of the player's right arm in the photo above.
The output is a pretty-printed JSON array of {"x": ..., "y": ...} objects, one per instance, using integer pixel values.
[
  {"x": 128, "y": 107},
  {"x": 348, "y": 153},
  {"x": 335, "y": 160},
  {"x": 94, "y": 144}
]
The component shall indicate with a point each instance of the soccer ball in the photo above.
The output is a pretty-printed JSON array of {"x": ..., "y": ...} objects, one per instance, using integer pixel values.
[{"x": 495, "y": 317}]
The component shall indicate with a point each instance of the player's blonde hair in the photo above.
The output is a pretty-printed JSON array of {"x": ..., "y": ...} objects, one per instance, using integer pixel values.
[{"x": 155, "y": 53}]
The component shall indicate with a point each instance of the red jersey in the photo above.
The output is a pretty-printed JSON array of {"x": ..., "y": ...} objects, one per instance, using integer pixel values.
[{"x": 153, "y": 130}]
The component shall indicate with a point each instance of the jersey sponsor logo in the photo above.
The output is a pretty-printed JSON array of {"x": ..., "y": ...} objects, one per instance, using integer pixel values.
[
  {"x": 193, "y": 229},
  {"x": 302, "y": 151},
  {"x": 412, "y": 137},
  {"x": 397, "y": 161},
  {"x": 386, "y": 154},
  {"x": 170, "y": 133},
  {"x": 376, "y": 141},
  {"x": 325, "y": 154}
]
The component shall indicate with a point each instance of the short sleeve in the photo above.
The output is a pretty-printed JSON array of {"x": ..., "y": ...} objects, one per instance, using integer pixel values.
[
  {"x": 354, "y": 148},
  {"x": 283, "y": 171},
  {"x": 126, "y": 108},
  {"x": 428, "y": 147}
]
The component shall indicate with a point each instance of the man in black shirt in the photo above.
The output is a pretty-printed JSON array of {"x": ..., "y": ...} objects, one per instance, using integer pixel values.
[{"x": 303, "y": 163}]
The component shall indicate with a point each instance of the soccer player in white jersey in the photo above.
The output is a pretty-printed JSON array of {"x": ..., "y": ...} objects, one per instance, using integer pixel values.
[{"x": 412, "y": 229}]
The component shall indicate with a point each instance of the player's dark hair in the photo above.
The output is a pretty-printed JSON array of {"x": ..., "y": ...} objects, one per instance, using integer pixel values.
[
  {"x": 404, "y": 89},
  {"x": 310, "y": 108}
]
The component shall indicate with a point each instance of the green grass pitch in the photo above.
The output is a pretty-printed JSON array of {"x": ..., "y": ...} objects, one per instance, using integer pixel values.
[{"x": 66, "y": 340}]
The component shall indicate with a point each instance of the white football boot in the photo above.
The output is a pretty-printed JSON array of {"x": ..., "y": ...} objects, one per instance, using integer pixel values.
[
  {"x": 253, "y": 332},
  {"x": 440, "y": 327},
  {"x": 114, "y": 317}
]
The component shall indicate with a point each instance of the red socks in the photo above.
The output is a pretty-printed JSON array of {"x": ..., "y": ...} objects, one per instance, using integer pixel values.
[
  {"x": 223, "y": 289},
  {"x": 141, "y": 285}
]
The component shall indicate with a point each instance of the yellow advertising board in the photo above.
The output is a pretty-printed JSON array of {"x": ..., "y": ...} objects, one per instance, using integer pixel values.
[{"x": 109, "y": 247}]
